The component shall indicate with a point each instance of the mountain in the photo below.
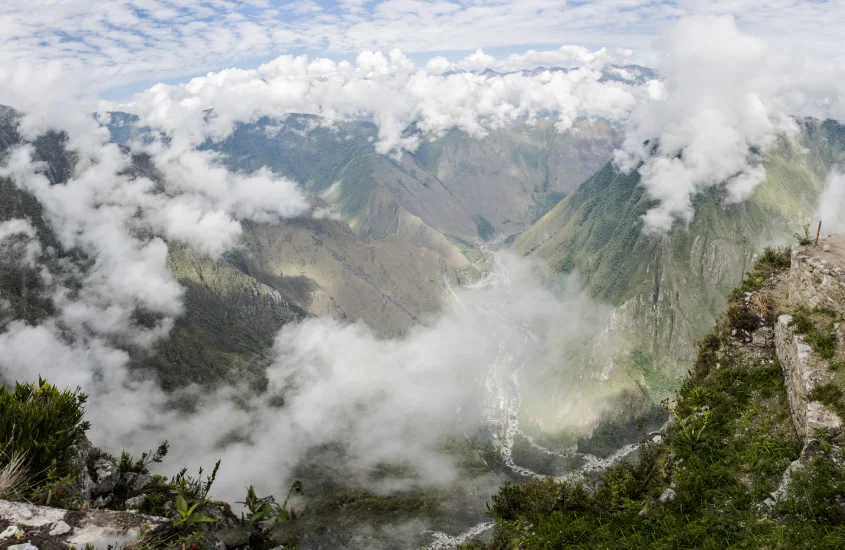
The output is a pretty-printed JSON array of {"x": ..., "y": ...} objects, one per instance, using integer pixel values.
[
  {"x": 234, "y": 306},
  {"x": 752, "y": 457},
  {"x": 457, "y": 185},
  {"x": 668, "y": 290}
]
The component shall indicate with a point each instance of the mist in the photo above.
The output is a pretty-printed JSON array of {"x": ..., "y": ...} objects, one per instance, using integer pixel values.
[
  {"x": 831, "y": 208},
  {"x": 385, "y": 400}
]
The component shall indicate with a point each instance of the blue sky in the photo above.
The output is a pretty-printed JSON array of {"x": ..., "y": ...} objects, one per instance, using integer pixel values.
[{"x": 122, "y": 46}]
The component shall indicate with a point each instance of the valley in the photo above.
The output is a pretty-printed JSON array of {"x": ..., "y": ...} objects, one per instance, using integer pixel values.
[{"x": 586, "y": 322}]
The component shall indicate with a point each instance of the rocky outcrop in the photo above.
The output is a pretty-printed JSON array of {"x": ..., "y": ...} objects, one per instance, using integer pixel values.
[
  {"x": 816, "y": 280},
  {"x": 804, "y": 371},
  {"x": 48, "y": 528},
  {"x": 817, "y": 276}
]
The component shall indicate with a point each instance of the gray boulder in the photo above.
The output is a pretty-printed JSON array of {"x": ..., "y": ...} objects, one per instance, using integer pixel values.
[
  {"x": 135, "y": 503},
  {"x": 106, "y": 475}
]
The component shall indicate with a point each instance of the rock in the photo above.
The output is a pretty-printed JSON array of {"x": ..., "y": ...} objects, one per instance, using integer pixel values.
[
  {"x": 26, "y": 514},
  {"x": 668, "y": 495},
  {"x": 24, "y": 546},
  {"x": 135, "y": 503},
  {"x": 826, "y": 248},
  {"x": 11, "y": 531},
  {"x": 106, "y": 474},
  {"x": 761, "y": 337},
  {"x": 102, "y": 501},
  {"x": 142, "y": 482},
  {"x": 60, "y": 528},
  {"x": 657, "y": 438},
  {"x": 128, "y": 478},
  {"x": 79, "y": 454},
  {"x": 821, "y": 419}
]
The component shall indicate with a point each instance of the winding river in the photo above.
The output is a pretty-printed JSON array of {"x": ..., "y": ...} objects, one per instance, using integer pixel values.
[{"x": 504, "y": 402}]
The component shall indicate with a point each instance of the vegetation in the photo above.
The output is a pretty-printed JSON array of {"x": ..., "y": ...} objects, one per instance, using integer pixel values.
[
  {"x": 40, "y": 426},
  {"x": 485, "y": 228},
  {"x": 708, "y": 483},
  {"x": 805, "y": 238},
  {"x": 822, "y": 340}
]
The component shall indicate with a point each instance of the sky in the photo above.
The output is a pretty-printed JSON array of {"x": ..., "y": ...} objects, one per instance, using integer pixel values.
[{"x": 123, "y": 46}]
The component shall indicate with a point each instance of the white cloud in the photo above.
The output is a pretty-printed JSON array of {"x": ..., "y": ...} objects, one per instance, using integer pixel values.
[
  {"x": 18, "y": 238},
  {"x": 831, "y": 208},
  {"x": 388, "y": 88},
  {"x": 340, "y": 383},
  {"x": 124, "y": 42},
  {"x": 726, "y": 97}
]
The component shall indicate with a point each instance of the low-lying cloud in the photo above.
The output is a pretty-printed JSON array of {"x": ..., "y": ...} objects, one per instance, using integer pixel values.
[
  {"x": 831, "y": 208},
  {"x": 727, "y": 97},
  {"x": 395, "y": 93}
]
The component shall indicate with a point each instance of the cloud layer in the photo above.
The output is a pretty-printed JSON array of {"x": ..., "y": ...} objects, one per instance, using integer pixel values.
[
  {"x": 726, "y": 98},
  {"x": 123, "y": 42},
  {"x": 392, "y": 91}
]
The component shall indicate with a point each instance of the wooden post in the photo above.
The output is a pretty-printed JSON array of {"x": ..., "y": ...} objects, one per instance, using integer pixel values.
[{"x": 818, "y": 234}]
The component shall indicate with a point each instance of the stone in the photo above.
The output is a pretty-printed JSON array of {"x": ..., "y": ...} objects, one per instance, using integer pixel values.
[
  {"x": 79, "y": 454},
  {"x": 102, "y": 501},
  {"x": 761, "y": 337},
  {"x": 826, "y": 248},
  {"x": 11, "y": 531},
  {"x": 821, "y": 419},
  {"x": 128, "y": 478},
  {"x": 24, "y": 546},
  {"x": 135, "y": 503},
  {"x": 142, "y": 482},
  {"x": 106, "y": 473},
  {"x": 26, "y": 513},
  {"x": 668, "y": 495},
  {"x": 60, "y": 528}
]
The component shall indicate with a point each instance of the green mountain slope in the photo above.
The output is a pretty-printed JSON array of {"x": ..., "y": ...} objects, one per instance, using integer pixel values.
[
  {"x": 669, "y": 289},
  {"x": 457, "y": 185},
  {"x": 728, "y": 471},
  {"x": 234, "y": 306}
]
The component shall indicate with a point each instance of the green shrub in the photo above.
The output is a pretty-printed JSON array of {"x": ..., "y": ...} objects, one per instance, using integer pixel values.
[
  {"x": 42, "y": 424},
  {"x": 801, "y": 322},
  {"x": 773, "y": 259},
  {"x": 823, "y": 344},
  {"x": 742, "y": 318},
  {"x": 804, "y": 239}
]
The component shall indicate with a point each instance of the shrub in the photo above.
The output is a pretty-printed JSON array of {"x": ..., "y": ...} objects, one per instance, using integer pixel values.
[
  {"x": 801, "y": 322},
  {"x": 804, "y": 239},
  {"x": 823, "y": 344},
  {"x": 742, "y": 318},
  {"x": 13, "y": 477},
  {"x": 773, "y": 259},
  {"x": 42, "y": 424}
]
